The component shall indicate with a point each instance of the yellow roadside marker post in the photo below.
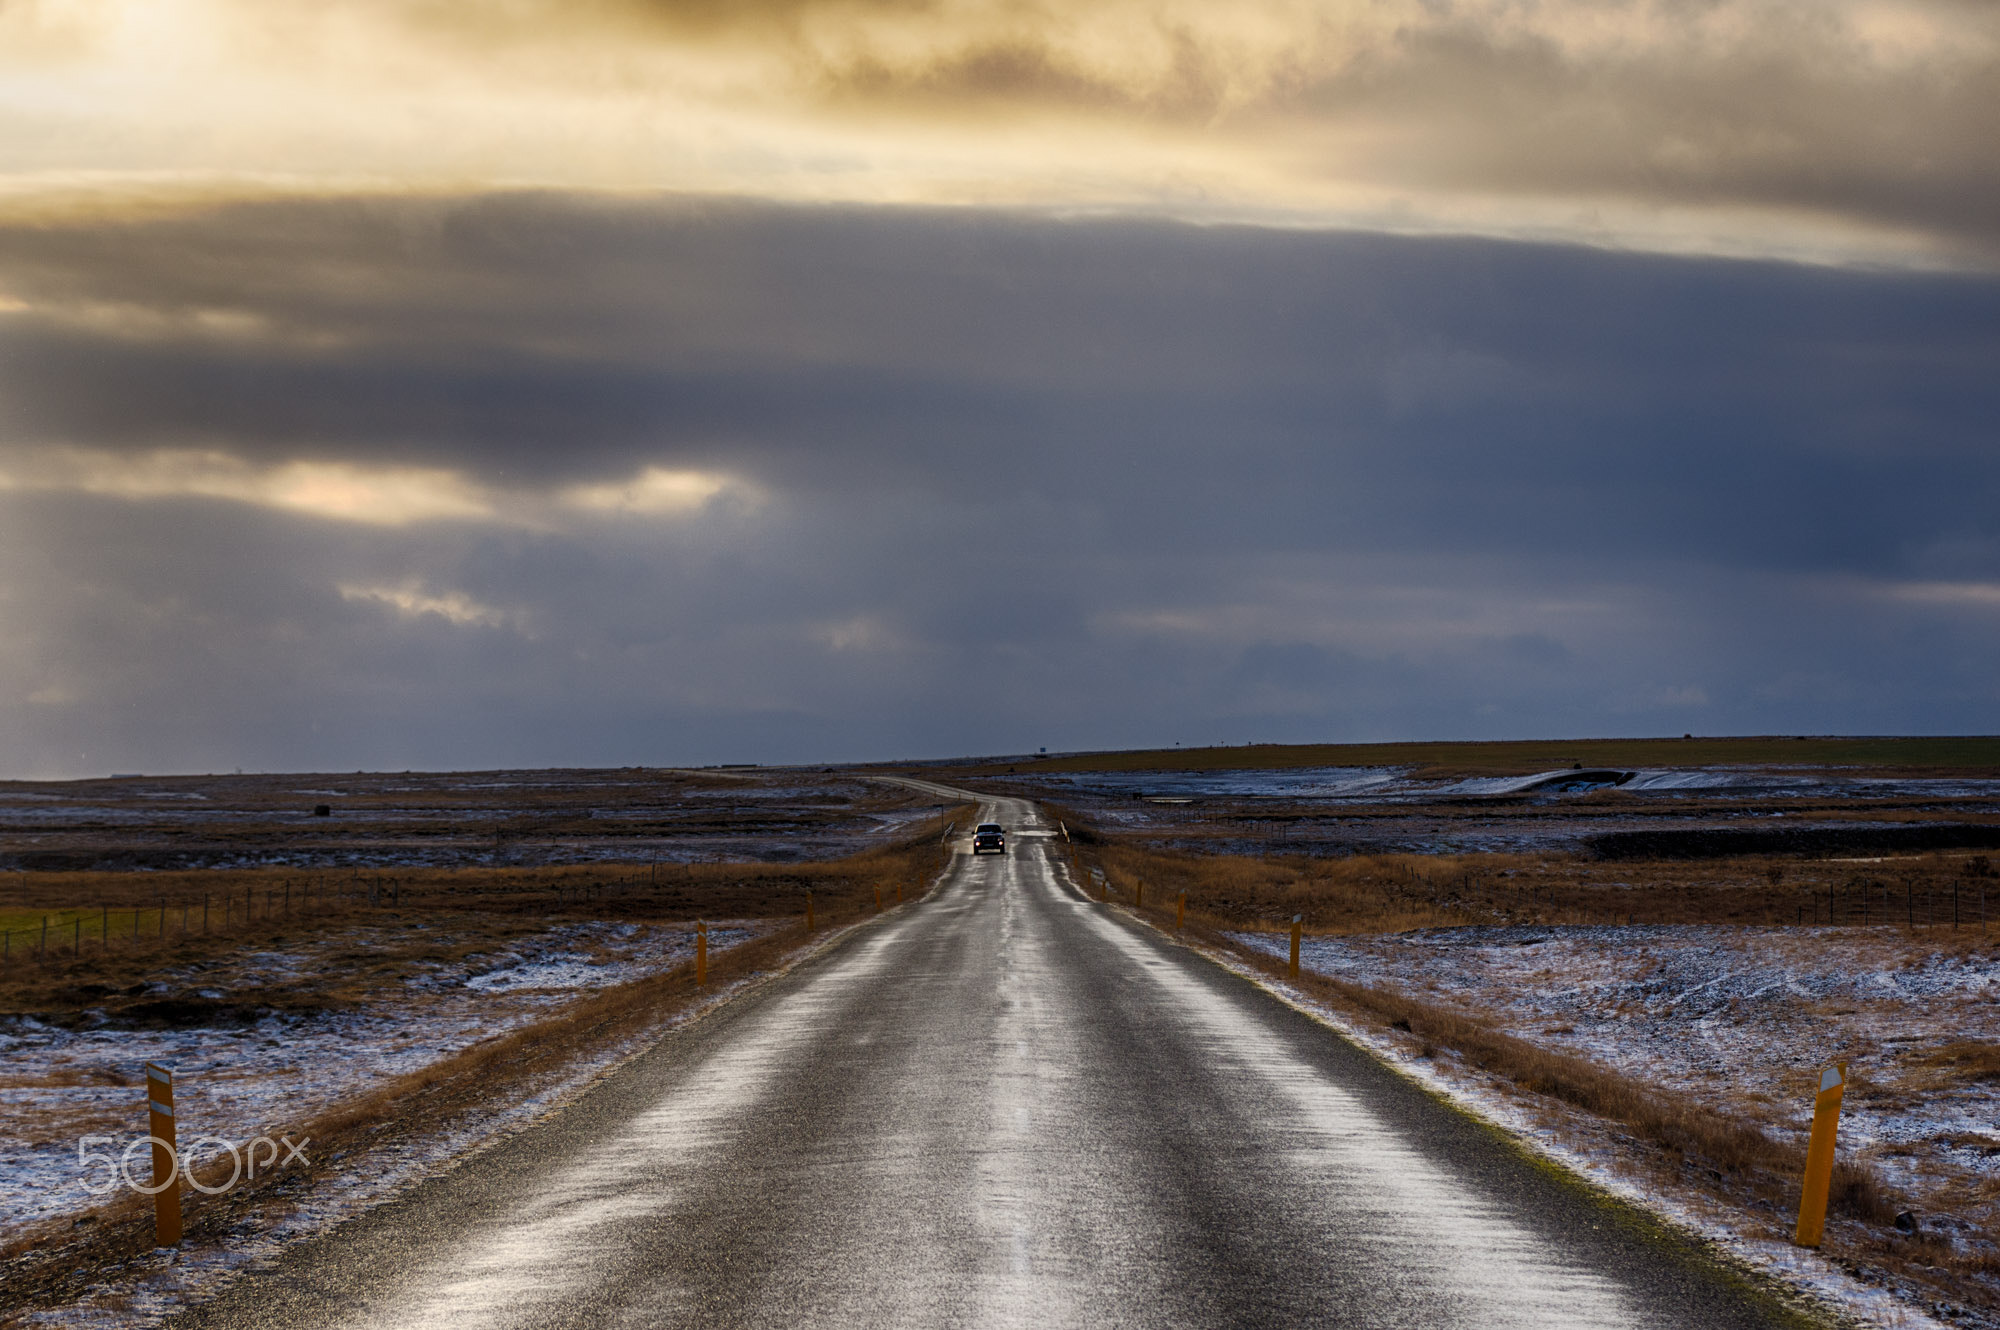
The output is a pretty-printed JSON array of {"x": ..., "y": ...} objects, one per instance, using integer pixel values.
[
  {"x": 899, "y": 893},
  {"x": 878, "y": 900},
  {"x": 166, "y": 1193},
  {"x": 1819, "y": 1155},
  {"x": 700, "y": 954},
  {"x": 1180, "y": 912},
  {"x": 809, "y": 912},
  {"x": 1138, "y": 894},
  {"x": 1295, "y": 945}
]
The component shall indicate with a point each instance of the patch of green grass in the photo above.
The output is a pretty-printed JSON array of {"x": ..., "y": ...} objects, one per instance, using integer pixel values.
[
  {"x": 18, "y": 921},
  {"x": 1975, "y": 753},
  {"x": 26, "y": 926}
]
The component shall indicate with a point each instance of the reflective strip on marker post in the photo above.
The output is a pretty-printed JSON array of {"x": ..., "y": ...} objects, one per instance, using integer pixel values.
[{"x": 166, "y": 1164}]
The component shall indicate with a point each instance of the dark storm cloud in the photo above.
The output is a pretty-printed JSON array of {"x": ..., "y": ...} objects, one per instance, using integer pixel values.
[
  {"x": 1005, "y": 481},
  {"x": 1489, "y": 391}
]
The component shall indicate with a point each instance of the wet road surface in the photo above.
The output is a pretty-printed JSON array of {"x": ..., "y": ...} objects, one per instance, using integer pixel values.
[{"x": 1004, "y": 1105}]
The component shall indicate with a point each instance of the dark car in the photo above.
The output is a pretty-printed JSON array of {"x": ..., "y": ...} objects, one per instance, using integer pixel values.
[{"x": 988, "y": 836}]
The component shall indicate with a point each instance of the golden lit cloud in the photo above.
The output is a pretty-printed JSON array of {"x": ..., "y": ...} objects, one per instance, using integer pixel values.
[
  {"x": 1856, "y": 129},
  {"x": 340, "y": 491},
  {"x": 1957, "y": 595},
  {"x": 374, "y": 495},
  {"x": 653, "y": 492},
  {"x": 412, "y": 601}
]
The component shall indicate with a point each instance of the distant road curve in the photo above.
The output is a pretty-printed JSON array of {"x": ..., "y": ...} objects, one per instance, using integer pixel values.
[{"x": 1002, "y": 1106}]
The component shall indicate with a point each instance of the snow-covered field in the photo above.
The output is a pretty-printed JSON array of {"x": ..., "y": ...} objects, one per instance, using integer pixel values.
[
  {"x": 1741, "y": 1020},
  {"x": 1396, "y": 810},
  {"x": 247, "y": 1063},
  {"x": 1377, "y": 785}
]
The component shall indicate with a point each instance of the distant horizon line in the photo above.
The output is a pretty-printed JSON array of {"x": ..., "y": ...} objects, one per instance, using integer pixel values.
[{"x": 1042, "y": 756}]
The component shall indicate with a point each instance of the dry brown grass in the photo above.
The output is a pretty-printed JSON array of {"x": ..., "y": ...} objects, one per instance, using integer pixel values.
[
  {"x": 50, "y": 1265},
  {"x": 78, "y": 968},
  {"x": 1966, "y": 1060},
  {"x": 1386, "y": 894},
  {"x": 1689, "y": 1131},
  {"x": 1392, "y": 892},
  {"x": 1689, "y": 1144}
]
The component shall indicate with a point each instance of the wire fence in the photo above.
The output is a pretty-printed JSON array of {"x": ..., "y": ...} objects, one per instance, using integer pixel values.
[
  {"x": 74, "y": 933},
  {"x": 77, "y": 932}
]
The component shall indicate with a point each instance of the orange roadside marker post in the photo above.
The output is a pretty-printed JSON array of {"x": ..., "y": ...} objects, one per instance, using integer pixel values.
[
  {"x": 700, "y": 954},
  {"x": 1180, "y": 912},
  {"x": 166, "y": 1165},
  {"x": 1819, "y": 1155},
  {"x": 1138, "y": 894},
  {"x": 899, "y": 893},
  {"x": 878, "y": 900},
  {"x": 1295, "y": 945}
]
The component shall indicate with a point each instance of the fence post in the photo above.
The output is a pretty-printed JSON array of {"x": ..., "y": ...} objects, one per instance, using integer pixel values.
[
  {"x": 166, "y": 1161},
  {"x": 1180, "y": 912},
  {"x": 1295, "y": 945},
  {"x": 1138, "y": 893},
  {"x": 1819, "y": 1156},
  {"x": 878, "y": 900},
  {"x": 700, "y": 953}
]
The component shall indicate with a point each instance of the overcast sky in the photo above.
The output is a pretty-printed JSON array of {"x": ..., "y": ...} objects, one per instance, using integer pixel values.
[{"x": 627, "y": 382}]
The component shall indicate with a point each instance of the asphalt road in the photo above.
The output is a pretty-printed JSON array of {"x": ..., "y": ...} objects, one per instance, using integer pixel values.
[{"x": 1004, "y": 1105}]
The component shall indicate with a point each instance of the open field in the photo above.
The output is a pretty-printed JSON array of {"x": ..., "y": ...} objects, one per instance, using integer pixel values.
[
  {"x": 496, "y": 819},
  {"x": 1613, "y": 813},
  {"x": 1938, "y": 755},
  {"x": 1662, "y": 1010},
  {"x": 384, "y": 1012},
  {"x": 1938, "y": 894},
  {"x": 1688, "y": 1005}
]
